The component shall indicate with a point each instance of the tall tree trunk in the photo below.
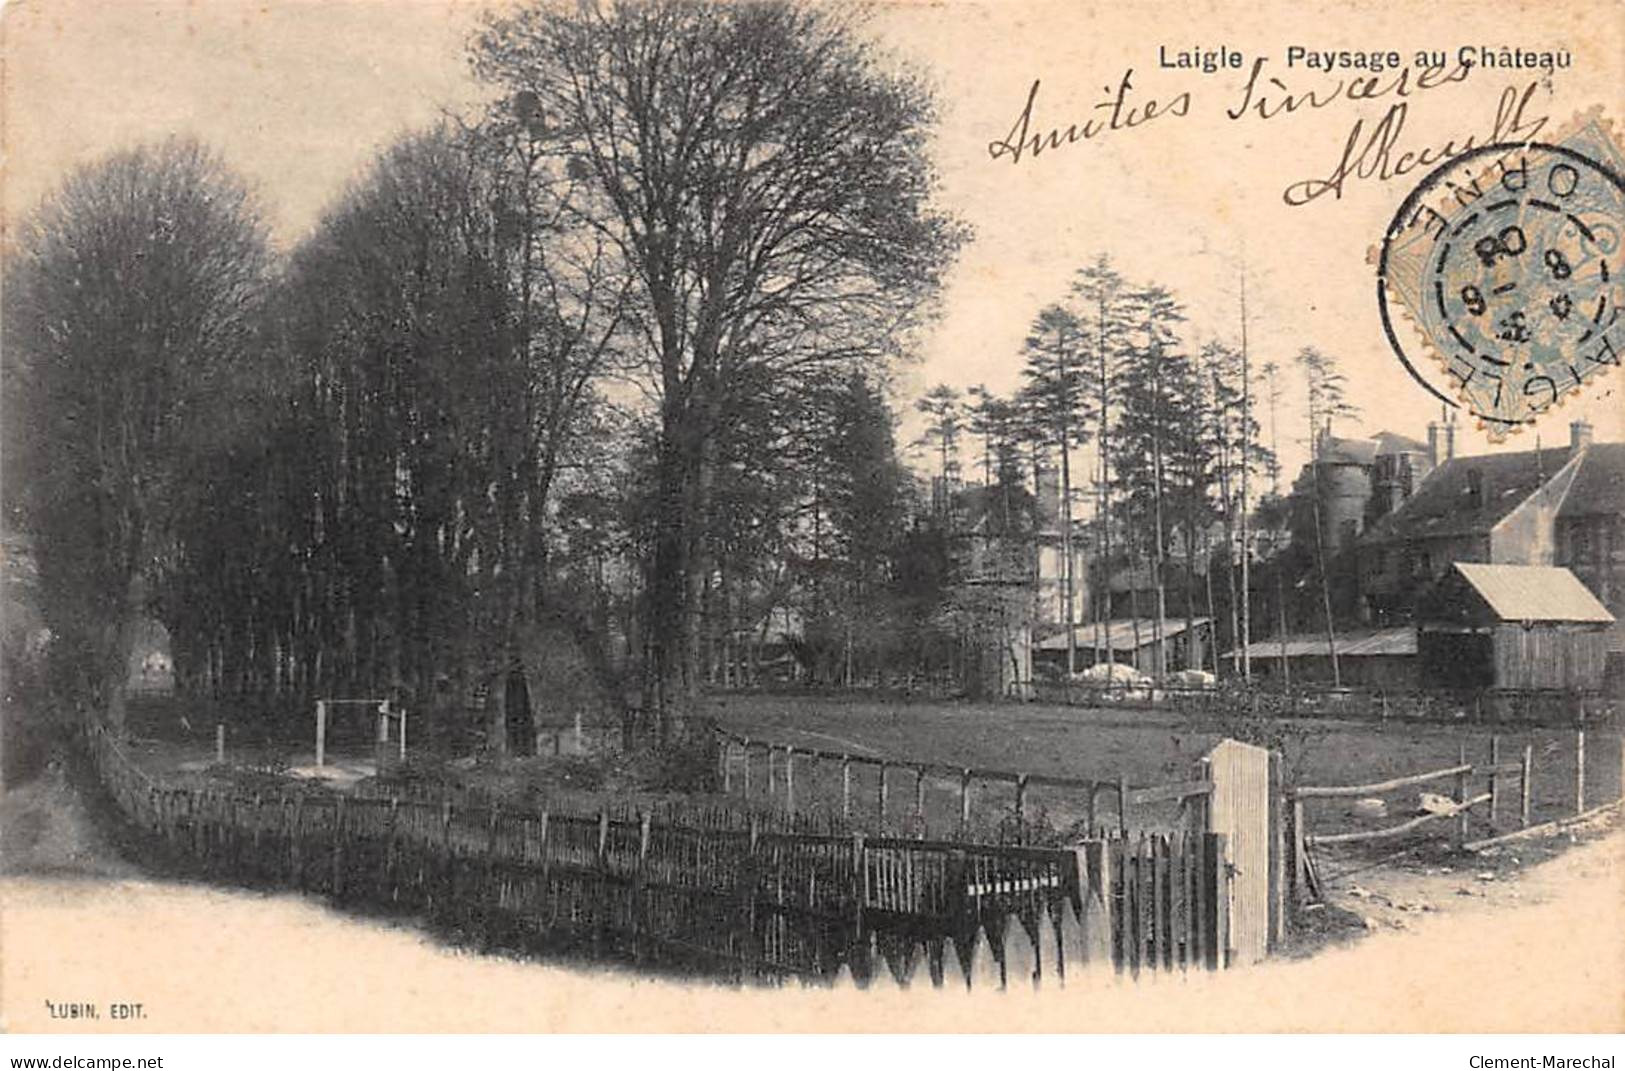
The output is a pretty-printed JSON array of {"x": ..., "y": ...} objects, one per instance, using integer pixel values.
[
  {"x": 1246, "y": 545},
  {"x": 1320, "y": 557}
]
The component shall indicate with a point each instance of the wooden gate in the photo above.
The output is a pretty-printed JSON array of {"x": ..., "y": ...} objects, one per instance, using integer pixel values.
[{"x": 1242, "y": 808}]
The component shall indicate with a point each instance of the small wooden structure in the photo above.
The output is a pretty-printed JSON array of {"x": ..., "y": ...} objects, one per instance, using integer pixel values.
[
  {"x": 1512, "y": 626},
  {"x": 386, "y": 715}
]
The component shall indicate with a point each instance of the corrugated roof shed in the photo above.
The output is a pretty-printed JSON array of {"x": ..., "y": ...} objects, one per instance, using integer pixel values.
[
  {"x": 1382, "y": 642},
  {"x": 1119, "y": 634},
  {"x": 1534, "y": 593}
]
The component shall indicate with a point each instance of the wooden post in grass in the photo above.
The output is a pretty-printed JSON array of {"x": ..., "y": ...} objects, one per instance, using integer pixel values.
[
  {"x": 1495, "y": 781},
  {"x": 1300, "y": 852},
  {"x": 220, "y": 743},
  {"x": 880, "y": 817},
  {"x": 1461, "y": 797},
  {"x": 1122, "y": 805},
  {"x": 321, "y": 732},
  {"x": 1021, "y": 808},
  {"x": 846, "y": 786},
  {"x": 1579, "y": 771},
  {"x": 964, "y": 804},
  {"x": 744, "y": 751},
  {"x": 790, "y": 780},
  {"x": 1523, "y": 784},
  {"x": 919, "y": 798}
]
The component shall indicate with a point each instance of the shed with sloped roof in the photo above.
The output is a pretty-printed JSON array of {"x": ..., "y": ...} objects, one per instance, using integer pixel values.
[{"x": 1512, "y": 627}]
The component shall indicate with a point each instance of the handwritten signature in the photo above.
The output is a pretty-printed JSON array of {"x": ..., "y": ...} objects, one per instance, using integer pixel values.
[{"x": 1369, "y": 152}]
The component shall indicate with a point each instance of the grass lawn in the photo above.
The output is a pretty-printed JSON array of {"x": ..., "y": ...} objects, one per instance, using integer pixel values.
[{"x": 1147, "y": 748}]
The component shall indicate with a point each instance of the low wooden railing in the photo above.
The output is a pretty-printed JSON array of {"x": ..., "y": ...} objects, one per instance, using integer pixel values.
[{"x": 776, "y": 784}]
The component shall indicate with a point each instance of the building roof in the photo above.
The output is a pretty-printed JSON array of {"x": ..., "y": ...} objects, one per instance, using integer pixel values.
[
  {"x": 1368, "y": 644},
  {"x": 1534, "y": 593},
  {"x": 1445, "y": 503},
  {"x": 1337, "y": 451},
  {"x": 1119, "y": 634},
  {"x": 1599, "y": 486},
  {"x": 1390, "y": 442}
]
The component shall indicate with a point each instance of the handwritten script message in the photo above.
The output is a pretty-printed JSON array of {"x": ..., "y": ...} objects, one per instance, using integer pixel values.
[{"x": 1372, "y": 149}]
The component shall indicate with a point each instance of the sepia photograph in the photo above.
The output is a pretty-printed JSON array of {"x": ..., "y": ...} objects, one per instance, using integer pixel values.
[{"x": 800, "y": 516}]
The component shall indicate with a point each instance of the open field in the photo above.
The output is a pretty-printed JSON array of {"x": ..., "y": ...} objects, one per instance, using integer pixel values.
[
  {"x": 1147, "y": 748},
  {"x": 1143, "y": 747}
]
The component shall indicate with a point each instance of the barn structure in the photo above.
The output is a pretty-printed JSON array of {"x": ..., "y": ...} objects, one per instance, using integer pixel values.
[
  {"x": 1133, "y": 642},
  {"x": 1383, "y": 658},
  {"x": 1512, "y": 627}
]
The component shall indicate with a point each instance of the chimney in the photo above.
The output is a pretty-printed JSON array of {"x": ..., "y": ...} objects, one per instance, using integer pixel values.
[
  {"x": 1433, "y": 444},
  {"x": 1579, "y": 436},
  {"x": 1450, "y": 439}
]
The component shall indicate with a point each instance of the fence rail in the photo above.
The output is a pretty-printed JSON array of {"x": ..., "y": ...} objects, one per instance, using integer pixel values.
[
  {"x": 755, "y": 770},
  {"x": 1497, "y": 776},
  {"x": 728, "y": 902}
]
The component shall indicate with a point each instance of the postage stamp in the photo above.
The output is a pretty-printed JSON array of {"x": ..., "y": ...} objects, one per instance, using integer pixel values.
[{"x": 1506, "y": 261}]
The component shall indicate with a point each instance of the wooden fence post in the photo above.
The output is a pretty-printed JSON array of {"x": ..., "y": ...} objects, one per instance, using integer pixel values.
[
  {"x": 1021, "y": 808},
  {"x": 1523, "y": 783},
  {"x": 1579, "y": 771},
  {"x": 601, "y": 866},
  {"x": 1461, "y": 797},
  {"x": 1300, "y": 852},
  {"x": 919, "y": 798},
  {"x": 448, "y": 868},
  {"x": 640, "y": 891},
  {"x": 1122, "y": 805},
  {"x": 880, "y": 816},
  {"x": 1277, "y": 852},
  {"x": 220, "y": 743},
  {"x": 859, "y": 888},
  {"x": 321, "y": 732},
  {"x": 1495, "y": 781},
  {"x": 744, "y": 753},
  {"x": 726, "y": 747},
  {"x": 790, "y": 780},
  {"x": 846, "y": 787},
  {"x": 964, "y": 804},
  {"x": 338, "y": 848}
]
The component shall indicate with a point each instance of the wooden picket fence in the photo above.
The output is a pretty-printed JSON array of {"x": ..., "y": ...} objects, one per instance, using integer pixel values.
[{"x": 722, "y": 902}]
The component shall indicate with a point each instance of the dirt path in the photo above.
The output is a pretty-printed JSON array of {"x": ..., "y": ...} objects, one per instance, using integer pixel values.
[
  {"x": 1544, "y": 955},
  {"x": 1400, "y": 890}
]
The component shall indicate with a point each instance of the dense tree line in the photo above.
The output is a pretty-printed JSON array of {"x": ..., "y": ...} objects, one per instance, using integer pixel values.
[
  {"x": 605, "y": 363},
  {"x": 607, "y": 357}
]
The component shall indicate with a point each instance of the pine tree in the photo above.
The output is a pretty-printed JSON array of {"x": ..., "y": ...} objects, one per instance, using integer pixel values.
[
  {"x": 1158, "y": 392},
  {"x": 1059, "y": 392}
]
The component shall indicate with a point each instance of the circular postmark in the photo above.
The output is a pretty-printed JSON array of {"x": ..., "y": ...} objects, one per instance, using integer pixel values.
[{"x": 1507, "y": 259}]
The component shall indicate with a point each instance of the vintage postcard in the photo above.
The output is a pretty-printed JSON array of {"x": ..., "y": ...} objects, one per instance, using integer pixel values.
[{"x": 784, "y": 515}]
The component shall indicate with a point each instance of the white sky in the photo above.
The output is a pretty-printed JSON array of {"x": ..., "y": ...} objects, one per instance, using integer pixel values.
[{"x": 298, "y": 95}]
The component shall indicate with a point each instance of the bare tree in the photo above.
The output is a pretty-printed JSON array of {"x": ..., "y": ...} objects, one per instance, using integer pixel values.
[
  {"x": 1327, "y": 401},
  {"x": 764, "y": 183}
]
